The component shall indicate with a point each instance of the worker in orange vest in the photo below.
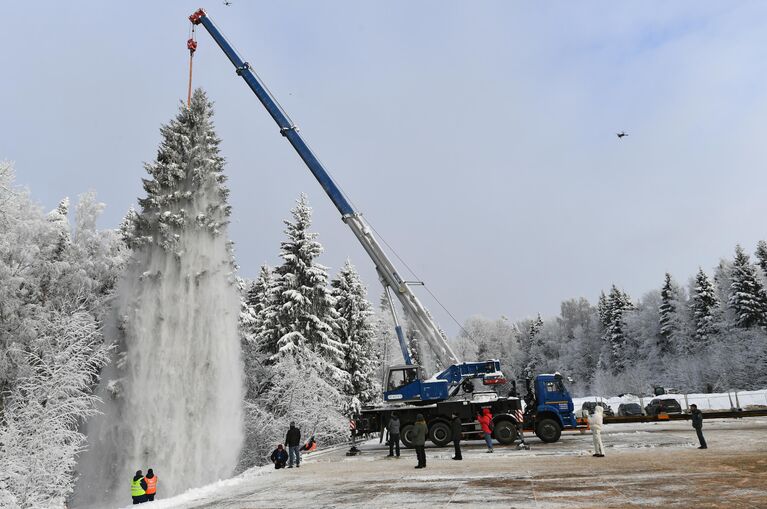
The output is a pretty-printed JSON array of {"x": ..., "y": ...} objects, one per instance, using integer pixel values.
[{"x": 151, "y": 485}]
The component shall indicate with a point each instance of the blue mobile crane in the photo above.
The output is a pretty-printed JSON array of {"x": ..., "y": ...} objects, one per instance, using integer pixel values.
[{"x": 405, "y": 386}]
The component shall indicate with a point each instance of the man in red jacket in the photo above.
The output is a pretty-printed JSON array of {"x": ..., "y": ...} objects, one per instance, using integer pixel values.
[{"x": 486, "y": 422}]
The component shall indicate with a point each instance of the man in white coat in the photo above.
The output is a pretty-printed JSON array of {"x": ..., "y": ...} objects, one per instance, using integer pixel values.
[{"x": 595, "y": 422}]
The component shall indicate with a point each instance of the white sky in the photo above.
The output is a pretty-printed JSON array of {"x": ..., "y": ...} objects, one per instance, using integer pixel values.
[{"x": 477, "y": 137}]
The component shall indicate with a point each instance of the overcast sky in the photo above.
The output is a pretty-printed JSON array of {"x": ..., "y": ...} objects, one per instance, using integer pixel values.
[{"x": 477, "y": 137}]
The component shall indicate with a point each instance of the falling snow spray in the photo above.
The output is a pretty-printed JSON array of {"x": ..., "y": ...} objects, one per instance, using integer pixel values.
[{"x": 173, "y": 396}]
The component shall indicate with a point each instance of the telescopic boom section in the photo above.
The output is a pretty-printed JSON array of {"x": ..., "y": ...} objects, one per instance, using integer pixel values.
[{"x": 386, "y": 270}]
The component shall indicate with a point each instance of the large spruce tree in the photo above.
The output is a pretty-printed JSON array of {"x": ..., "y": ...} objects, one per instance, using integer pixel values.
[
  {"x": 669, "y": 316},
  {"x": 747, "y": 295},
  {"x": 618, "y": 302},
  {"x": 304, "y": 313},
  {"x": 703, "y": 305},
  {"x": 355, "y": 331}
]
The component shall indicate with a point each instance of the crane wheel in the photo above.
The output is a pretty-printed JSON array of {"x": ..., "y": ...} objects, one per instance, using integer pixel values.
[
  {"x": 440, "y": 433},
  {"x": 548, "y": 430},
  {"x": 405, "y": 433},
  {"x": 505, "y": 432}
]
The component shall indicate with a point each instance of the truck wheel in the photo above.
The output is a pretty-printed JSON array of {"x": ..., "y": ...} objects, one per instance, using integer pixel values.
[
  {"x": 548, "y": 430},
  {"x": 405, "y": 435},
  {"x": 440, "y": 434},
  {"x": 505, "y": 432}
]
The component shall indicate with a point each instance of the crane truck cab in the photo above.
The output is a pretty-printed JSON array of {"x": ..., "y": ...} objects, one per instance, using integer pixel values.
[
  {"x": 406, "y": 384},
  {"x": 549, "y": 407}
]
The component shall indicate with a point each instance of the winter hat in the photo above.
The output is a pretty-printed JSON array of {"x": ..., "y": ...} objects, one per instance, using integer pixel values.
[
  {"x": 149, "y": 473},
  {"x": 419, "y": 417}
]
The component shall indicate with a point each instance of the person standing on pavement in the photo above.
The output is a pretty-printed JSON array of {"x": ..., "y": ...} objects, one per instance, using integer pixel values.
[
  {"x": 595, "y": 422},
  {"x": 293, "y": 442},
  {"x": 151, "y": 485},
  {"x": 418, "y": 438},
  {"x": 393, "y": 427},
  {"x": 138, "y": 488},
  {"x": 486, "y": 422},
  {"x": 457, "y": 428},
  {"x": 697, "y": 423}
]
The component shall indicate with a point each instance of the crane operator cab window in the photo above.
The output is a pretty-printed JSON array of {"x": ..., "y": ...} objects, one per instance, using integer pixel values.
[{"x": 401, "y": 377}]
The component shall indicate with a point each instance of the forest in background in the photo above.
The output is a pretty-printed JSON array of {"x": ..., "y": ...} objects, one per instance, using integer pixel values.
[{"x": 313, "y": 346}]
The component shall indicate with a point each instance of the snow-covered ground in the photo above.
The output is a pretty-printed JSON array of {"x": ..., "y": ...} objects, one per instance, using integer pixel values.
[
  {"x": 647, "y": 464},
  {"x": 715, "y": 401}
]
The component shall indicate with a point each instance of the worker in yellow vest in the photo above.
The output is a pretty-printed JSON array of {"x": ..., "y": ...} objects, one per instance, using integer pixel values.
[
  {"x": 151, "y": 485},
  {"x": 138, "y": 488}
]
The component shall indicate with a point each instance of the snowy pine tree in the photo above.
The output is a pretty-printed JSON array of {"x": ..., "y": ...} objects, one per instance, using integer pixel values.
[
  {"x": 761, "y": 256},
  {"x": 603, "y": 311},
  {"x": 305, "y": 316},
  {"x": 261, "y": 297},
  {"x": 670, "y": 325},
  {"x": 533, "y": 340},
  {"x": 747, "y": 295},
  {"x": 127, "y": 227},
  {"x": 703, "y": 306},
  {"x": 618, "y": 302},
  {"x": 355, "y": 331},
  {"x": 414, "y": 341}
]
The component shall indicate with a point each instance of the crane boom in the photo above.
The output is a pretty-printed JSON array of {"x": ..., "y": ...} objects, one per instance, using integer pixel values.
[{"x": 386, "y": 270}]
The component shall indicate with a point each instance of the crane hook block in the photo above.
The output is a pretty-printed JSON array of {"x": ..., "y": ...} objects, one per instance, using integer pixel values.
[
  {"x": 191, "y": 45},
  {"x": 195, "y": 18}
]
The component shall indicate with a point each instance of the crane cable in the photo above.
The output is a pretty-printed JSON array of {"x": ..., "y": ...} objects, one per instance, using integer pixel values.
[{"x": 191, "y": 45}]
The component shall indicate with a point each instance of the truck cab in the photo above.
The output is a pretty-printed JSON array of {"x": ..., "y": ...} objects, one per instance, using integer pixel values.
[{"x": 550, "y": 407}]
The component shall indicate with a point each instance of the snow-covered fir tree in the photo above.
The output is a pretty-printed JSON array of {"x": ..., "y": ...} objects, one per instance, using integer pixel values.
[
  {"x": 761, "y": 256},
  {"x": 415, "y": 344},
  {"x": 747, "y": 294},
  {"x": 603, "y": 311},
  {"x": 305, "y": 314},
  {"x": 535, "y": 356},
  {"x": 618, "y": 302},
  {"x": 355, "y": 331},
  {"x": 703, "y": 306},
  {"x": 127, "y": 227},
  {"x": 261, "y": 298},
  {"x": 164, "y": 214},
  {"x": 669, "y": 311}
]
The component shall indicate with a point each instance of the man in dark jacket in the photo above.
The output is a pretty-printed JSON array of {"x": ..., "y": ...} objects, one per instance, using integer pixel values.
[
  {"x": 418, "y": 438},
  {"x": 457, "y": 428},
  {"x": 393, "y": 427},
  {"x": 138, "y": 488},
  {"x": 293, "y": 442},
  {"x": 279, "y": 457},
  {"x": 697, "y": 423}
]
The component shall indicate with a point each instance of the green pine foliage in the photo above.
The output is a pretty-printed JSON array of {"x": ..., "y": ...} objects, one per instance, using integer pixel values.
[
  {"x": 355, "y": 330},
  {"x": 747, "y": 294},
  {"x": 188, "y": 165},
  {"x": 304, "y": 306}
]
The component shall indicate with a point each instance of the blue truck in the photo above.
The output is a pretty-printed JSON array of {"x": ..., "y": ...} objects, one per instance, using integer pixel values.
[{"x": 460, "y": 387}]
